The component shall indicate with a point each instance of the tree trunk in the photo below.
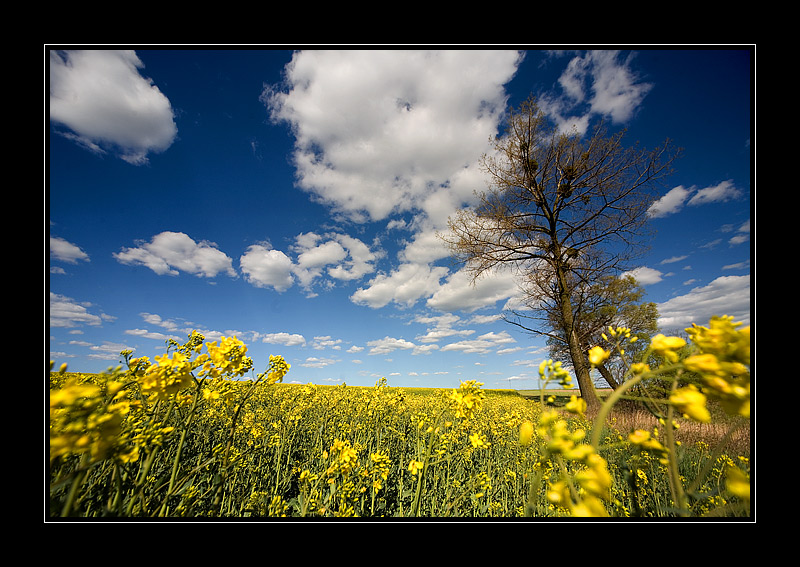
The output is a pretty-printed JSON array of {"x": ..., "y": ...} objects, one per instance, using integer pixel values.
[
  {"x": 579, "y": 362},
  {"x": 606, "y": 374}
]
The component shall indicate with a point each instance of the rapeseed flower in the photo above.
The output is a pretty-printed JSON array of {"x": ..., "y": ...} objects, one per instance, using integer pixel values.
[
  {"x": 666, "y": 346},
  {"x": 691, "y": 402},
  {"x": 414, "y": 466},
  {"x": 467, "y": 399},
  {"x": 597, "y": 355},
  {"x": 525, "y": 432}
]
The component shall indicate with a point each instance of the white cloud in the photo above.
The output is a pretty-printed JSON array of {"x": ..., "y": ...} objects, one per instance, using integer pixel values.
[
  {"x": 425, "y": 247},
  {"x": 724, "y": 191},
  {"x": 442, "y": 327},
  {"x": 264, "y": 267},
  {"x": 742, "y": 235},
  {"x": 154, "y": 319},
  {"x": 311, "y": 260},
  {"x": 107, "y": 351},
  {"x": 481, "y": 345},
  {"x": 596, "y": 83},
  {"x": 360, "y": 259},
  {"x": 286, "y": 339},
  {"x": 726, "y": 295},
  {"x": 326, "y": 341},
  {"x": 147, "y": 334},
  {"x": 314, "y": 362},
  {"x": 645, "y": 275},
  {"x": 105, "y": 102},
  {"x": 389, "y": 344},
  {"x": 380, "y": 131},
  {"x": 317, "y": 256},
  {"x": 679, "y": 196},
  {"x": 66, "y": 312},
  {"x": 439, "y": 333},
  {"x": 405, "y": 286},
  {"x": 670, "y": 203},
  {"x": 65, "y": 251},
  {"x": 460, "y": 293},
  {"x": 174, "y": 252}
]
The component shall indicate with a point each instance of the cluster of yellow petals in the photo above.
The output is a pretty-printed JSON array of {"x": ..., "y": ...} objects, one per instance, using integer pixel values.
[
  {"x": 344, "y": 459},
  {"x": 723, "y": 362},
  {"x": 278, "y": 368},
  {"x": 467, "y": 399},
  {"x": 550, "y": 371},
  {"x": 86, "y": 419},
  {"x": 168, "y": 376},
  {"x": 228, "y": 358},
  {"x": 592, "y": 483}
]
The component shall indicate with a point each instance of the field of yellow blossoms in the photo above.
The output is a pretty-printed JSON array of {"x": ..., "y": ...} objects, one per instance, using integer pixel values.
[{"x": 197, "y": 433}]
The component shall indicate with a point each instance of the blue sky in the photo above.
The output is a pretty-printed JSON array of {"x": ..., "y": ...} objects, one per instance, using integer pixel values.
[{"x": 292, "y": 198}]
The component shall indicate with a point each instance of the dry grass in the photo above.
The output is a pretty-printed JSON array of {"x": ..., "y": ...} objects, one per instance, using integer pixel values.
[{"x": 626, "y": 417}]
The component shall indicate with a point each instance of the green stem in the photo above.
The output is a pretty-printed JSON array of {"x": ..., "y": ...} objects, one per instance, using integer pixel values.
[
  {"x": 418, "y": 494},
  {"x": 226, "y": 456},
  {"x": 77, "y": 483},
  {"x": 176, "y": 460},
  {"x": 678, "y": 495}
]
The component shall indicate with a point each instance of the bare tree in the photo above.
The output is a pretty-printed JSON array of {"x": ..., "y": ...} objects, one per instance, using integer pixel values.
[{"x": 563, "y": 210}]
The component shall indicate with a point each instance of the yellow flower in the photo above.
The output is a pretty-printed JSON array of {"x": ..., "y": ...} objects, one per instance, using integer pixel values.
[
  {"x": 467, "y": 399},
  {"x": 642, "y": 439},
  {"x": 589, "y": 507},
  {"x": 478, "y": 441},
  {"x": 278, "y": 368},
  {"x": 415, "y": 466},
  {"x": 576, "y": 405},
  {"x": 525, "y": 432},
  {"x": 692, "y": 403},
  {"x": 737, "y": 483},
  {"x": 704, "y": 363},
  {"x": 666, "y": 346},
  {"x": 597, "y": 355}
]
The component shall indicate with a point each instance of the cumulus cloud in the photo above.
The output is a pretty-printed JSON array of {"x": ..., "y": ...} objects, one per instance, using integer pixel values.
[
  {"x": 440, "y": 327},
  {"x": 66, "y": 312},
  {"x": 173, "y": 252},
  {"x": 404, "y": 286},
  {"x": 107, "y": 105},
  {"x": 315, "y": 362},
  {"x": 157, "y": 320},
  {"x": 670, "y": 203},
  {"x": 482, "y": 345},
  {"x": 65, "y": 251},
  {"x": 317, "y": 257},
  {"x": 286, "y": 339},
  {"x": 742, "y": 234},
  {"x": 264, "y": 267},
  {"x": 724, "y": 191},
  {"x": 326, "y": 341},
  {"x": 596, "y": 83},
  {"x": 726, "y": 295},
  {"x": 645, "y": 275},
  {"x": 340, "y": 256},
  {"x": 459, "y": 292},
  {"x": 379, "y": 131},
  {"x": 389, "y": 344},
  {"x": 678, "y": 197}
]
